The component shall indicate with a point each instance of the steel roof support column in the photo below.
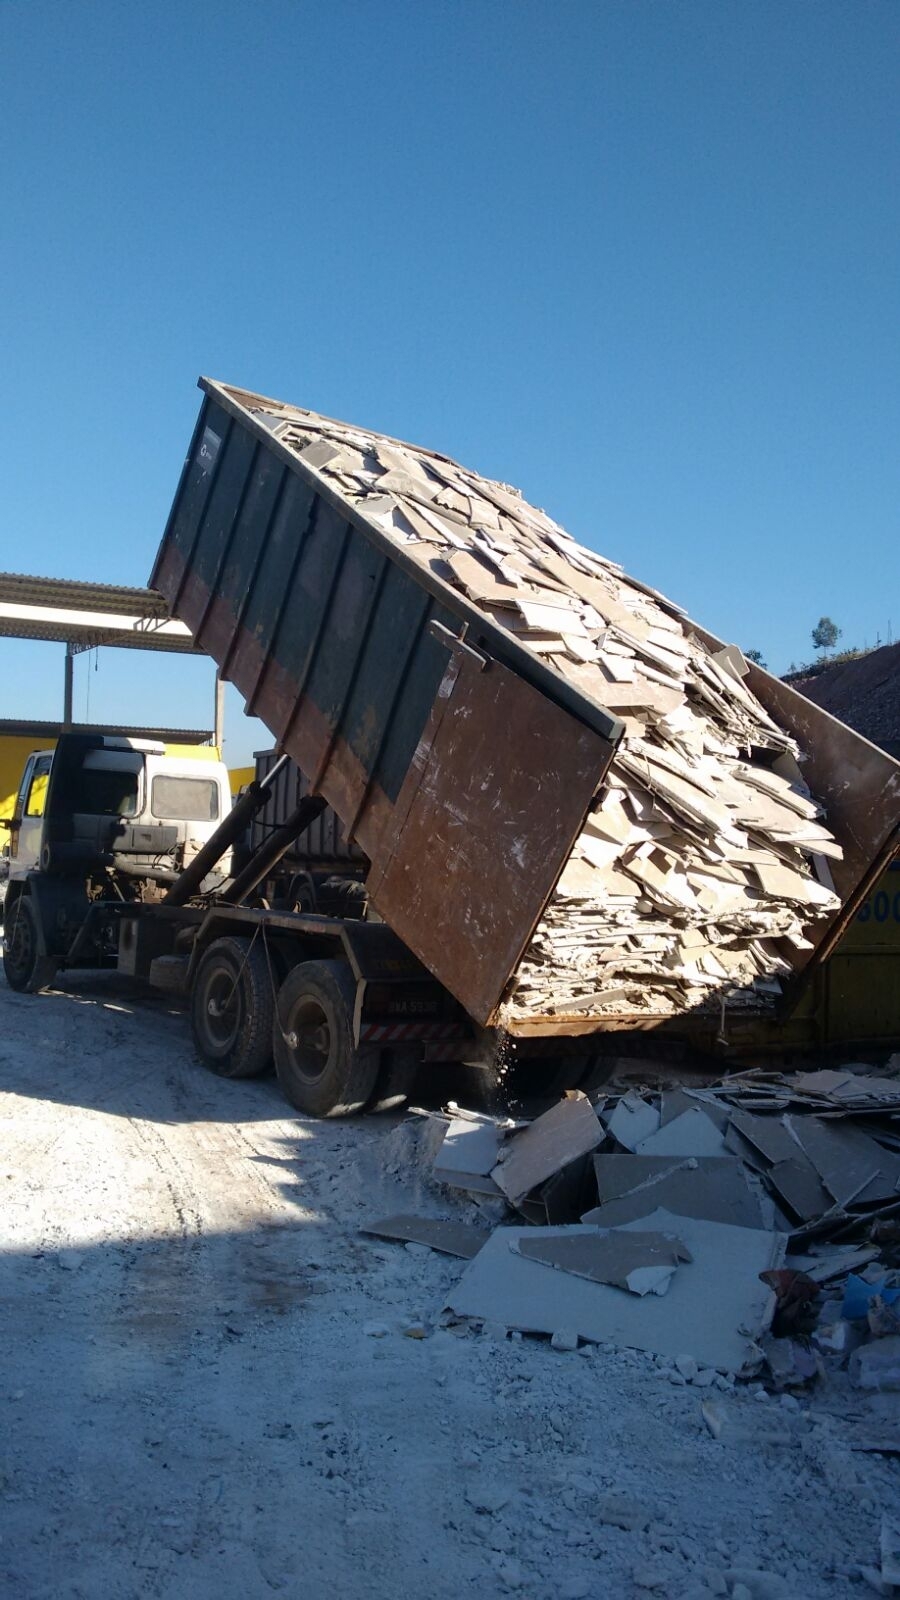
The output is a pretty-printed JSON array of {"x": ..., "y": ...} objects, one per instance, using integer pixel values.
[
  {"x": 219, "y": 720},
  {"x": 68, "y": 684}
]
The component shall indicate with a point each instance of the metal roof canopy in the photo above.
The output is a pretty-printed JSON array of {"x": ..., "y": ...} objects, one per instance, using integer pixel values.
[
  {"x": 25, "y": 728},
  {"x": 84, "y": 616}
]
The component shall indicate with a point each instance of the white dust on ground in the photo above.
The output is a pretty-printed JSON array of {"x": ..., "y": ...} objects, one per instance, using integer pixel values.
[{"x": 192, "y": 1405}]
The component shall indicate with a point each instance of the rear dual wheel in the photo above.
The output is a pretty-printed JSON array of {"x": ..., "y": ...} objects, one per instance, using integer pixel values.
[
  {"x": 237, "y": 1026},
  {"x": 320, "y": 1070},
  {"x": 232, "y": 1009}
]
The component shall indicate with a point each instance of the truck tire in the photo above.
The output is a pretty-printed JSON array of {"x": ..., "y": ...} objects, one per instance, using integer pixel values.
[
  {"x": 232, "y": 1008},
  {"x": 396, "y": 1073},
  {"x": 26, "y": 968},
  {"x": 319, "y": 1067},
  {"x": 343, "y": 897}
]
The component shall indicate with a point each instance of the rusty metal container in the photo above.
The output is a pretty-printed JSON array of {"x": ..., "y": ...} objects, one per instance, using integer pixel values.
[{"x": 460, "y": 764}]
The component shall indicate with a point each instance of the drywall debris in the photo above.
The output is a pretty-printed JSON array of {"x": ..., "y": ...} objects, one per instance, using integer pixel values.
[
  {"x": 642, "y": 1263},
  {"x": 852, "y": 1166},
  {"x": 715, "y": 1308},
  {"x": 877, "y": 1365},
  {"x": 691, "y": 1134},
  {"x": 469, "y": 1150},
  {"x": 713, "y": 1188},
  {"x": 632, "y": 1121},
  {"x": 569, "y": 1130},
  {"x": 452, "y": 1238}
]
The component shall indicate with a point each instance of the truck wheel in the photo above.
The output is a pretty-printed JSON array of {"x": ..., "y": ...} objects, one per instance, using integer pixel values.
[
  {"x": 232, "y": 1009},
  {"x": 26, "y": 969},
  {"x": 396, "y": 1072},
  {"x": 319, "y": 1068}
]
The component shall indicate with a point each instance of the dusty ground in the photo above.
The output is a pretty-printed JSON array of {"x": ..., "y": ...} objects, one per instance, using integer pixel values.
[{"x": 193, "y": 1402}]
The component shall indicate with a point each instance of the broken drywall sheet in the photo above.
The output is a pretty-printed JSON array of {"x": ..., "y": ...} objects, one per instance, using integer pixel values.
[
  {"x": 671, "y": 1104},
  {"x": 715, "y": 1308},
  {"x": 571, "y": 1129},
  {"x": 692, "y": 1133},
  {"x": 710, "y": 1188},
  {"x": 467, "y": 1154},
  {"x": 851, "y": 1165},
  {"x": 632, "y": 1121},
  {"x": 798, "y": 1185},
  {"x": 640, "y": 1262},
  {"x": 767, "y": 1135},
  {"x": 451, "y": 1238}
]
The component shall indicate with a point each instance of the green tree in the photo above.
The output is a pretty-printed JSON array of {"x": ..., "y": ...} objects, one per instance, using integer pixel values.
[
  {"x": 825, "y": 634},
  {"x": 755, "y": 655}
]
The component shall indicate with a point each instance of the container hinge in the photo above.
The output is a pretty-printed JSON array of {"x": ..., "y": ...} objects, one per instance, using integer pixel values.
[{"x": 457, "y": 642}]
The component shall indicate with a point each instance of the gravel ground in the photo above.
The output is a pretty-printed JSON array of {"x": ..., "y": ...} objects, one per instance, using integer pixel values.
[{"x": 206, "y": 1389}]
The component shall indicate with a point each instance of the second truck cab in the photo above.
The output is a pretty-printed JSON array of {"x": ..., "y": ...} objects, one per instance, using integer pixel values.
[{"x": 114, "y": 810}]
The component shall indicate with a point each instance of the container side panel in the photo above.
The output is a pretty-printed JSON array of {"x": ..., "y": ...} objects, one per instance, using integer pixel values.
[
  {"x": 373, "y": 820},
  {"x": 423, "y": 677},
  {"x": 190, "y": 502},
  {"x": 335, "y": 670},
  {"x": 383, "y": 666},
  {"x": 267, "y": 569},
  {"x": 491, "y": 806},
  {"x": 302, "y": 593},
  {"x": 857, "y": 783},
  {"x": 214, "y": 529},
  {"x": 231, "y": 589}
]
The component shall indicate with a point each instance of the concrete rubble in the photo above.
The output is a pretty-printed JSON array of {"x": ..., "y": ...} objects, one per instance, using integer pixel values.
[{"x": 705, "y": 862}]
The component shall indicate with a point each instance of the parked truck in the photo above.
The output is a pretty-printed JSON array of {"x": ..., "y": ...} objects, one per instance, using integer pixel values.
[
  {"x": 99, "y": 818},
  {"x": 321, "y": 871},
  {"x": 461, "y": 765}
]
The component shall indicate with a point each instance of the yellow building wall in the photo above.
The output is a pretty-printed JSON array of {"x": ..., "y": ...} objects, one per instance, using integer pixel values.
[
  {"x": 194, "y": 752},
  {"x": 14, "y": 752},
  {"x": 239, "y": 777}
]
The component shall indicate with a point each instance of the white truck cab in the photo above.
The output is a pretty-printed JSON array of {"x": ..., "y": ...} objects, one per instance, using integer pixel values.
[{"x": 126, "y": 802}]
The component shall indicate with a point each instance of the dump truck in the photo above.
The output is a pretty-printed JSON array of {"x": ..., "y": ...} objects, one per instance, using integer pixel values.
[
  {"x": 495, "y": 746},
  {"x": 329, "y": 573}
]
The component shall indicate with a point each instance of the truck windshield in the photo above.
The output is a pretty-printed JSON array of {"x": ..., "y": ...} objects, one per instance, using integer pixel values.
[{"x": 184, "y": 799}]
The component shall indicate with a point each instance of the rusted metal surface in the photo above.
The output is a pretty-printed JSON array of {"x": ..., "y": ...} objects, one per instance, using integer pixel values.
[
  {"x": 858, "y": 784},
  {"x": 496, "y": 792}
]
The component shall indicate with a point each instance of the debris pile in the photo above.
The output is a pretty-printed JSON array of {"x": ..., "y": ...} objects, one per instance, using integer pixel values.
[
  {"x": 746, "y": 1227},
  {"x": 706, "y": 860}
]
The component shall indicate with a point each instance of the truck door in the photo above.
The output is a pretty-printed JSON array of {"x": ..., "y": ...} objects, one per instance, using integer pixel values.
[{"x": 28, "y": 819}]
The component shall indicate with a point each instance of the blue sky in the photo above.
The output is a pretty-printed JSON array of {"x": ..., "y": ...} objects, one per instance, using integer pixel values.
[{"x": 638, "y": 257}]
